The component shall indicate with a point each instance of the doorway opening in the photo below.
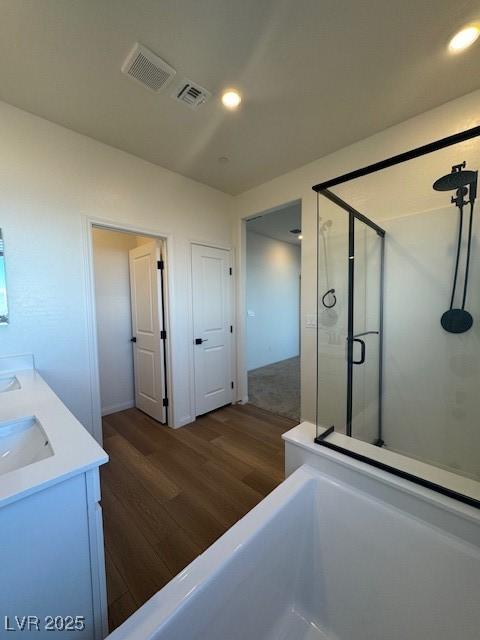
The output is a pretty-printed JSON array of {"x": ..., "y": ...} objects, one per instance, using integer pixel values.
[
  {"x": 130, "y": 305},
  {"x": 273, "y": 279}
]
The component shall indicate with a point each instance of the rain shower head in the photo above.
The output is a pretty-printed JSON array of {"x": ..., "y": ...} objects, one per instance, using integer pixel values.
[{"x": 456, "y": 179}]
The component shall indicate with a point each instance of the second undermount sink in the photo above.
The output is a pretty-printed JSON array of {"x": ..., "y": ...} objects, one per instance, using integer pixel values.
[
  {"x": 22, "y": 442},
  {"x": 9, "y": 383}
]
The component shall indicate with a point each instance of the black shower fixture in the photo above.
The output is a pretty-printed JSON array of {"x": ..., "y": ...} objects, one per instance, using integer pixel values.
[
  {"x": 458, "y": 320},
  {"x": 456, "y": 179},
  {"x": 332, "y": 301}
]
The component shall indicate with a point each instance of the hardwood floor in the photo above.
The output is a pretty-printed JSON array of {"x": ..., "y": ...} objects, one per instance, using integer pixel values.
[{"x": 167, "y": 494}]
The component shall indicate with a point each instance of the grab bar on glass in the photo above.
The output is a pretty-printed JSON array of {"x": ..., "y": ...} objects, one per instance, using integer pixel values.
[
  {"x": 356, "y": 338},
  {"x": 362, "y": 352}
]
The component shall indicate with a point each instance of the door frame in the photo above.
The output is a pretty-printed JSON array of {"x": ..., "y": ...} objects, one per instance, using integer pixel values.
[
  {"x": 91, "y": 312},
  {"x": 233, "y": 315},
  {"x": 241, "y": 296}
]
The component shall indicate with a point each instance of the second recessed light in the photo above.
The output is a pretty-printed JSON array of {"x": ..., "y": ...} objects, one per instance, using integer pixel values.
[
  {"x": 231, "y": 99},
  {"x": 464, "y": 38}
]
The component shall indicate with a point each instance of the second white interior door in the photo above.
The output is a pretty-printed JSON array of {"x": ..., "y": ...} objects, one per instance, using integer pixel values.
[{"x": 212, "y": 318}]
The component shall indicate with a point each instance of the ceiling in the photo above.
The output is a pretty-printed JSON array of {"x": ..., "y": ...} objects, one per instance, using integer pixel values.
[
  {"x": 316, "y": 75},
  {"x": 277, "y": 224}
]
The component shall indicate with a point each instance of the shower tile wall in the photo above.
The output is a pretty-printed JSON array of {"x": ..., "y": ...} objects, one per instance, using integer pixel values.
[{"x": 432, "y": 378}]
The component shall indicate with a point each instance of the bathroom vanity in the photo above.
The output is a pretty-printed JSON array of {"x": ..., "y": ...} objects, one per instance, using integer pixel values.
[{"x": 52, "y": 577}]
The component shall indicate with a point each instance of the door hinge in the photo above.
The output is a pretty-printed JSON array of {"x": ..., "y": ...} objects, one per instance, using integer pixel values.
[
  {"x": 160, "y": 265},
  {"x": 230, "y": 271},
  {"x": 163, "y": 335},
  {"x": 232, "y": 385},
  {"x": 231, "y": 328},
  {"x": 165, "y": 402}
]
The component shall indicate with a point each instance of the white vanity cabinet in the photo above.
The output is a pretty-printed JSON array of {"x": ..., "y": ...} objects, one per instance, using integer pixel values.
[
  {"x": 52, "y": 561},
  {"x": 52, "y": 566}
]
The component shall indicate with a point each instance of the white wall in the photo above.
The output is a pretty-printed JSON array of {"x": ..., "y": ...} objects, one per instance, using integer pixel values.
[
  {"x": 52, "y": 181},
  {"x": 114, "y": 325},
  {"x": 113, "y": 316},
  {"x": 273, "y": 295},
  {"x": 370, "y": 196}
]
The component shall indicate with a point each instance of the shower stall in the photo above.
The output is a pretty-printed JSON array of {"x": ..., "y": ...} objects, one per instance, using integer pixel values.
[{"x": 398, "y": 363}]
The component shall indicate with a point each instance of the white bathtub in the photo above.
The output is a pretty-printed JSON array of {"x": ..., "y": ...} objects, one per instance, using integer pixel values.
[{"x": 319, "y": 559}]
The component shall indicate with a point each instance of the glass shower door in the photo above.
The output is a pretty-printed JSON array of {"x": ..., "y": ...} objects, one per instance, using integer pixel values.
[{"x": 365, "y": 331}]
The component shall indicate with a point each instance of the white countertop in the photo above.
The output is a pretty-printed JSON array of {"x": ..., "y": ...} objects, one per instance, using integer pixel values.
[{"x": 74, "y": 449}]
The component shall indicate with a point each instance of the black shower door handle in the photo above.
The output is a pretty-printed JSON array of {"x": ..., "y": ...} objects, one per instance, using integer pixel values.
[{"x": 362, "y": 352}]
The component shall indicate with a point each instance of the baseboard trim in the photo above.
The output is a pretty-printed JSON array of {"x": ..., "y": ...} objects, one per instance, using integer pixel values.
[
  {"x": 182, "y": 422},
  {"x": 120, "y": 406}
]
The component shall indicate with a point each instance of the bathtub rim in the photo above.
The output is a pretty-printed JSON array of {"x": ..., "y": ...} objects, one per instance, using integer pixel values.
[{"x": 154, "y": 615}]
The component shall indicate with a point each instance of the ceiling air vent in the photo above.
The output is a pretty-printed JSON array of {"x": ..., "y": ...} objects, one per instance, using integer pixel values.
[
  {"x": 147, "y": 68},
  {"x": 192, "y": 94}
]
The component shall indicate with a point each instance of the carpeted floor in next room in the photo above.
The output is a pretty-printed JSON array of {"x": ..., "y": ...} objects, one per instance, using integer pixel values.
[{"x": 276, "y": 388}]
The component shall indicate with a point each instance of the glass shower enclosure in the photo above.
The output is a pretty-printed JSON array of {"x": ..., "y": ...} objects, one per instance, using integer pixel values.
[{"x": 394, "y": 369}]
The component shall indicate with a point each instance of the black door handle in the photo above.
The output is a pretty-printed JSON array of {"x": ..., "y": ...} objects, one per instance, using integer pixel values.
[
  {"x": 200, "y": 340},
  {"x": 133, "y": 339},
  {"x": 362, "y": 352}
]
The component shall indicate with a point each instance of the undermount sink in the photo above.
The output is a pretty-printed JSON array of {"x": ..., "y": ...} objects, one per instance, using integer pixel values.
[
  {"x": 22, "y": 442},
  {"x": 9, "y": 383}
]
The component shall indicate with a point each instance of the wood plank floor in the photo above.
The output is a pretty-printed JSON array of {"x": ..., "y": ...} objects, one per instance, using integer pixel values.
[{"x": 167, "y": 494}]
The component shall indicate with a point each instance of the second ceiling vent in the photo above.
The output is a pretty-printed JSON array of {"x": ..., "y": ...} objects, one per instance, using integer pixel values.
[
  {"x": 148, "y": 69},
  {"x": 191, "y": 94}
]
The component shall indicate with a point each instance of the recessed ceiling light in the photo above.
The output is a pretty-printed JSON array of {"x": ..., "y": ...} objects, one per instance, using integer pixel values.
[
  {"x": 464, "y": 38},
  {"x": 231, "y": 99}
]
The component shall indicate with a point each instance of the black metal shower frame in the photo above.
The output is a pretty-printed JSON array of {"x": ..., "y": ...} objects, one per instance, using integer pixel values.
[
  {"x": 353, "y": 215},
  {"x": 323, "y": 188}
]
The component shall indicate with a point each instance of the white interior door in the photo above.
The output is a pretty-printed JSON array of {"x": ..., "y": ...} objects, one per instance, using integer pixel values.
[
  {"x": 148, "y": 346},
  {"x": 212, "y": 327}
]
